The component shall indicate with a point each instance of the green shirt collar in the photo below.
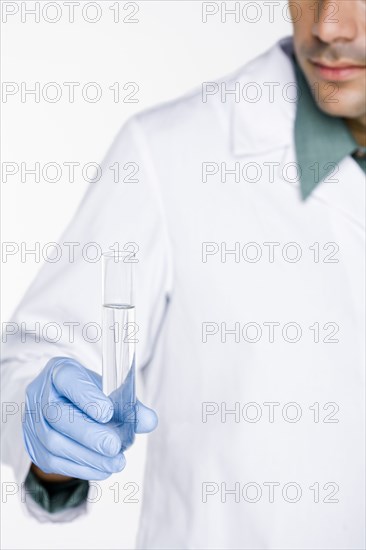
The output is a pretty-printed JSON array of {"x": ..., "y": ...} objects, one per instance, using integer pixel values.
[{"x": 321, "y": 141}]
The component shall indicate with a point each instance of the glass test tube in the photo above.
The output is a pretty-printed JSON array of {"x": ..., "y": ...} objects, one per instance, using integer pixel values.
[{"x": 118, "y": 344}]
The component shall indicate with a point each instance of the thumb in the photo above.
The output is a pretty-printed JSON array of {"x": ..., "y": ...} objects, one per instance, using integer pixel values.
[{"x": 146, "y": 419}]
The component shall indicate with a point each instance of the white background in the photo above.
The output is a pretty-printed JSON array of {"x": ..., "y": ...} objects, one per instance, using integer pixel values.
[{"x": 167, "y": 53}]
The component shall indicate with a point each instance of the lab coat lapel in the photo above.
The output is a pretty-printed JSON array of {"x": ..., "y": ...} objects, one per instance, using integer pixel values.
[{"x": 265, "y": 124}]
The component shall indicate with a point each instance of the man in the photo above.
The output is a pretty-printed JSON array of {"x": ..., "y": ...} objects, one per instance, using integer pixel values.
[{"x": 248, "y": 215}]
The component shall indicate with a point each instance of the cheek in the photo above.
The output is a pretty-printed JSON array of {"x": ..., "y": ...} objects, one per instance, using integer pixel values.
[
  {"x": 304, "y": 40},
  {"x": 302, "y": 15}
]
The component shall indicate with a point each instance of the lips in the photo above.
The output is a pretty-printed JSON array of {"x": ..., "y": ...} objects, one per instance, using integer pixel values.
[{"x": 339, "y": 71}]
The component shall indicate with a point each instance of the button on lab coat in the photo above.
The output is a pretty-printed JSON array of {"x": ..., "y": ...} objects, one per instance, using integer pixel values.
[{"x": 189, "y": 364}]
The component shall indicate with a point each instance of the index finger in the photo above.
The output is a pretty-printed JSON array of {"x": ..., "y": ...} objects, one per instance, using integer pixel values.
[{"x": 73, "y": 381}]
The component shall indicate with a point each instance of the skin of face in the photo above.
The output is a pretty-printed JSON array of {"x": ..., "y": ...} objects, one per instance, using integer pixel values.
[{"x": 330, "y": 47}]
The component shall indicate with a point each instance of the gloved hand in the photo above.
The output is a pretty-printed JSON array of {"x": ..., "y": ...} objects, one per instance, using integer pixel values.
[{"x": 65, "y": 424}]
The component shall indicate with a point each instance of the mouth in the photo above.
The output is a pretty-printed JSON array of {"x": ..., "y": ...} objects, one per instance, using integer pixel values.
[{"x": 337, "y": 71}]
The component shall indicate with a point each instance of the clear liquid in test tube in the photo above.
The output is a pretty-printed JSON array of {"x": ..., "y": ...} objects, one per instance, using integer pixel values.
[{"x": 119, "y": 337}]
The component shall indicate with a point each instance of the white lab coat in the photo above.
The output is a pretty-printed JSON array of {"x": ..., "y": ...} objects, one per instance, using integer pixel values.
[{"x": 169, "y": 213}]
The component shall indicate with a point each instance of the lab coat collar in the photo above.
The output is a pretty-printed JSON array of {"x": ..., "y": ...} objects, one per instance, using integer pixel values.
[{"x": 267, "y": 124}]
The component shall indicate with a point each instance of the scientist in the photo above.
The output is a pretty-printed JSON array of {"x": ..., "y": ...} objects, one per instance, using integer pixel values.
[{"x": 253, "y": 362}]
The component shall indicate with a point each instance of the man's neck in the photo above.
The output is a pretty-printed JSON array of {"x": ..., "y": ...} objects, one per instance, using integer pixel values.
[{"x": 357, "y": 127}]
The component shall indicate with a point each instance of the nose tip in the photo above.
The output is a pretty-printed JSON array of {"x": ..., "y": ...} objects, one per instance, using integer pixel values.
[{"x": 335, "y": 21}]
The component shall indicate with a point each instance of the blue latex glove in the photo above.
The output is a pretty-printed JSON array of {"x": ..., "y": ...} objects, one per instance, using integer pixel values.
[{"x": 65, "y": 425}]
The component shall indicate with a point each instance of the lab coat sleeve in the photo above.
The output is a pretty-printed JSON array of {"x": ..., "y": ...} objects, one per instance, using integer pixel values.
[{"x": 60, "y": 314}]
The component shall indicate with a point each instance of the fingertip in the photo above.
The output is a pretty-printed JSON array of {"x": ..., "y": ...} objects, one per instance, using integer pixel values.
[
  {"x": 117, "y": 464},
  {"x": 107, "y": 411},
  {"x": 111, "y": 445},
  {"x": 122, "y": 462},
  {"x": 146, "y": 419}
]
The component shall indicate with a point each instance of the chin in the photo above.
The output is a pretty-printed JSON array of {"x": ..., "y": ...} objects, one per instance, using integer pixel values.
[{"x": 348, "y": 104}]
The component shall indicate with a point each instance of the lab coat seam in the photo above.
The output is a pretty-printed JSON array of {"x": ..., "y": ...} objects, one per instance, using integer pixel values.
[{"x": 152, "y": 172}]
